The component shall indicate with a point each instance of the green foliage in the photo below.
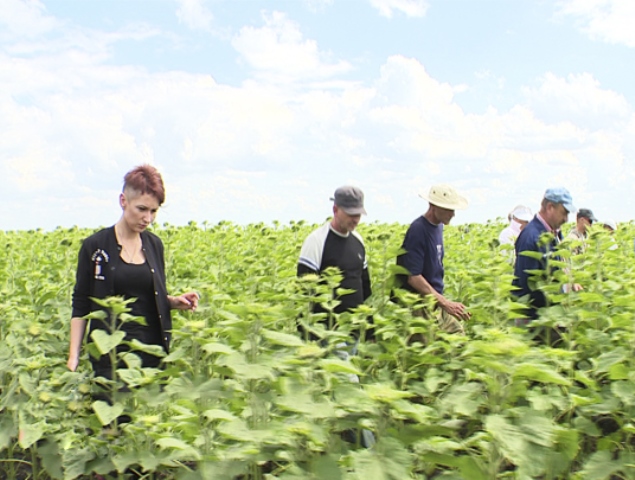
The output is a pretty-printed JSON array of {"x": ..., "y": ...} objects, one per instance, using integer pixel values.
[{"x": 243, "y": 395}]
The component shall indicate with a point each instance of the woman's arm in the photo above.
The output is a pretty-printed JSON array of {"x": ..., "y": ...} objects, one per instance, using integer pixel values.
[
  {"x": 80, "y": 305},
  {"x": 78, "y": 328}
]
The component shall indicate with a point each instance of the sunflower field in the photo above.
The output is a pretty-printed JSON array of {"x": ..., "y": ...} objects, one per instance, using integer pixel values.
[{"x": 242, "y": 395}]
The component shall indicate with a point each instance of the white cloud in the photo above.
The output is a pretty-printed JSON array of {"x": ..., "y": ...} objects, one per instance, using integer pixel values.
[
  {"x": 279, "y": 52},
  {"x": 34, "y": 170},
  {"x": 194, "y": 14},
  {"x": 423, "y": 112},
  {"x": 26, "y": 19},
  {"x": 610, "y": 21},
  {"x": 411, "y": 8},
  {"x": 513, "y": 154},
  {"x": 578, "y": 99},
  {"x": 318, "y": 5},
  {"x": 69, "y": 115},
  {"x": 487, "y": 76}
]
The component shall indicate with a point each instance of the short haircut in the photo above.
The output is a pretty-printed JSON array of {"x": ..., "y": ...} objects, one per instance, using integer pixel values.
[{"x": 145, "y": 179}]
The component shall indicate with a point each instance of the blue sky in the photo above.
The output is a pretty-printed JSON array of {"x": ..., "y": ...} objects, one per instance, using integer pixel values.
[{"x": 256, "y": 111}]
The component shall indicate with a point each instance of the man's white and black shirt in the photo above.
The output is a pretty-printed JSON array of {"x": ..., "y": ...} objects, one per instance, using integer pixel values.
[{"x": 325, "y": 247}]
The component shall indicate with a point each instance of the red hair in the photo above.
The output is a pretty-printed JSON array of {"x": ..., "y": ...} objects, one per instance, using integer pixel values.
[{"x": 145, "y": 179}]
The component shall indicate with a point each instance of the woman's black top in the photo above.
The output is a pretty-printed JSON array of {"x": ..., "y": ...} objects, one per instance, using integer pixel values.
[{"x": 135, "y": 281}]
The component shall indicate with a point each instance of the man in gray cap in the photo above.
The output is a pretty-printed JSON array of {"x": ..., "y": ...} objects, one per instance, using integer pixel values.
[
  {"x": 584, "y": 219},
  {"x": 337, "y": 244},
  {"x": 423, "y": 258}
]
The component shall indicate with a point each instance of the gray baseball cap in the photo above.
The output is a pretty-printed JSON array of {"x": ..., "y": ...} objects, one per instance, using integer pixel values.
[
  {"x": 588, "y": 214},
  {"x": 350, "y": 199}
]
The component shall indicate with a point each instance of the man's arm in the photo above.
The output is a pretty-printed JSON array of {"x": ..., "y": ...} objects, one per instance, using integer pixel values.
[
  {"x": 421, "y": 285},
  {"x": 311, "y": 253},
  {"x": 366, "y": 289},
  {"x": 524, "y": 264},
  {"x": 304, "y": 270}
]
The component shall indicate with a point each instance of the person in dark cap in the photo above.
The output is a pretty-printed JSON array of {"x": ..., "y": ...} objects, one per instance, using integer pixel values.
[
  {"x": 554, "y": 212},
  {"x": 423, "y": 257},
  {"x": 584, "y": 219},
  {"x": 337, "y": 244}
]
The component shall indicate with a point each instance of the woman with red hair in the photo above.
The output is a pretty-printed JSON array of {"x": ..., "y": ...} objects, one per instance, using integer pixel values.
[{"x": 127, "y": 260}]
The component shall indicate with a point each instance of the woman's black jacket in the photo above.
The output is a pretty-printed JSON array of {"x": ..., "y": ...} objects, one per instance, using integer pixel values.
[{"x": 98, "y": 260}]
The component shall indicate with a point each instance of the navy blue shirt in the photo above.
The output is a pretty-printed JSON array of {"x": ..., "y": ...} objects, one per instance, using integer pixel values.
[
  {"x": 528, "y": 240},
  {"x": 423, "y": 244}
]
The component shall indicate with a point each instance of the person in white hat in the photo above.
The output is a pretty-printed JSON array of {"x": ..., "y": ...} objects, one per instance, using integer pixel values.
[
  {"x": 518, "y": 218},
  {"x": 423, "y": 257},
  {"x": 611, "y": 227}
]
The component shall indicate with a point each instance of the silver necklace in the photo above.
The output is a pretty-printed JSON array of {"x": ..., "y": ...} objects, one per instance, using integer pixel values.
[{"x": 131, "y": 254}]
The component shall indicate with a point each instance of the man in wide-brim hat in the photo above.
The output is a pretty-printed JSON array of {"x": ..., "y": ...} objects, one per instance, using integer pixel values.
[{"x": 423, "y": 257}]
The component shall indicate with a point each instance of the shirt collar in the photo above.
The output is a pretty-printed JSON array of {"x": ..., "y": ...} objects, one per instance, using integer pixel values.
[
  {"x": 546, "y": 225},
  {"x": 339, "y": 234}
]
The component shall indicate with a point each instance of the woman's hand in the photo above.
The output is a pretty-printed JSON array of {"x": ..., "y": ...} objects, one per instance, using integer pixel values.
[
  {"x": 78, "y": 328},
  {"x": 187, "y": 301},
  {"x": 73, "y": 362}
]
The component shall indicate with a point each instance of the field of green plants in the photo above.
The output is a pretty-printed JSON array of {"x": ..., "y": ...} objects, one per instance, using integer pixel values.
[{"x": 243, "y": 396}]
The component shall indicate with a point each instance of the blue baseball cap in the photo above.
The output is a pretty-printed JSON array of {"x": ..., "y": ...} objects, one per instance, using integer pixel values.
[{"x": 560, "y": 195}]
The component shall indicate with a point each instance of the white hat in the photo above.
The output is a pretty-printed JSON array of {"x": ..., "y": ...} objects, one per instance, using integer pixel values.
[
  {"x": 445, "y": 196},
  {"x": 610, "y": 223},
  {"x": 520, "y": 212}
]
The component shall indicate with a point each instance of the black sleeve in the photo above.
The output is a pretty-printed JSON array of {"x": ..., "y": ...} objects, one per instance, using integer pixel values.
[
  {"x": 304, "y": 270},
  {"x": 81, "y": 293},
  {"x": 161, "y": 255},
  {"x": 366, "y": 290}
]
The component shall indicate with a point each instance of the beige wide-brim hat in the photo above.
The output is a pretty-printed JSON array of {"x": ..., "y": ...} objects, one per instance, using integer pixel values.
[{"x": 445, "y": 196}]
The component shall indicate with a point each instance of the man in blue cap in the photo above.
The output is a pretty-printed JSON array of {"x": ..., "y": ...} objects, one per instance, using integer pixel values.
[{"x": 554, "y": 211}]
